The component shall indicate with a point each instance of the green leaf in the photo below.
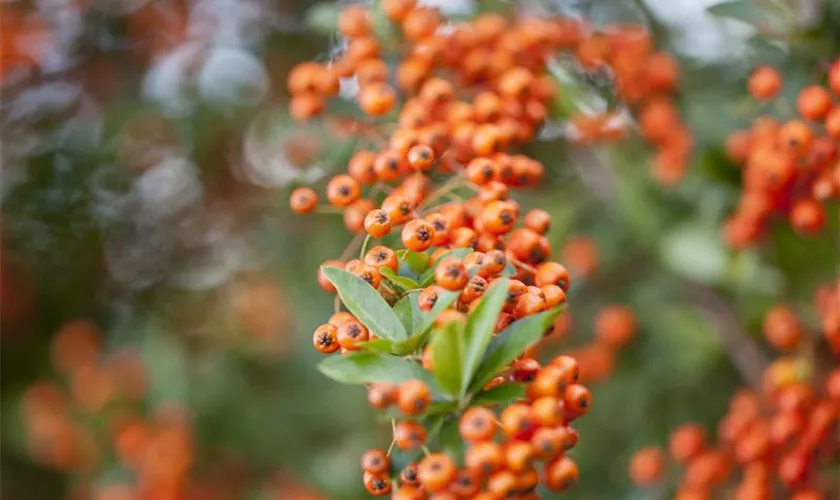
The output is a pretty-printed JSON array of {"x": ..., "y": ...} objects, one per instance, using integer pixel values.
[
  {"x": 447, "y": 346},
  {"x": 322, "y": 17},
  {"x": 450, "y": 441},
  {"x": 366, "y": 304},
  {"x": 429, "y": 276},
  {"x": 505, "y": 348},
  {"x": 427, "y": 319},
  {"x": 412, "y": 264},
  {"x": 400, "y": 284},
  {"x": 760, "y": 14},
  {"x": 365, "y": 367},
  {"x": 405, "y": 311},
  {"x": 479, "y": 330},
  {"x": 502, "y": 395}
]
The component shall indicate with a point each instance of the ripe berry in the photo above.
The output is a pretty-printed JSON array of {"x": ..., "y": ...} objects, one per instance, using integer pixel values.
[
  {"x": 485, "y": 457},
  {"x": 418, "y": 235},
  {"x": 538, "y": 220},
  {"x": 375, "y": 461},
  {"x": 421, "y": 157},
  {"x": 450, "y": 274},
  {"x": 436, "y": 471},
  {"x": 409, "y": 475},
  {"x": 561, "y": 474},
  {"x": 517, "y": 422},
  {"x": 350, "y": 334},
  {"x": 382, "y": 395},
  {"x": 409, "y": 435},
  {"x": 615, "y": 325},
  {"x": 813, "y": 102},
  {"x": 303, "y": 200},
  {"x": 781, "y": 328},
  {"x": 477, "y": 424},
  {"x": 646, "y": 466},
  {"x": 377, "y": 99},
  {"x": 323, "y": 282},
  {"x": 577, "y": 399},
  {"x": 377, "y": 223},
  {"x": 377, "y": 485},
  {"x": 342, "y": 190},
  {"x": 382, "y": 256},
  {"x": 764, "y": 83},
  {"x": 325, "y": 339},
  {"x": 552, "y": 273},
  {"x": 413, "y": 397},
  {"x": 466, "y": 483},
  {"x": 687, "y": 442},
  {"x": 428, "y": 297}
]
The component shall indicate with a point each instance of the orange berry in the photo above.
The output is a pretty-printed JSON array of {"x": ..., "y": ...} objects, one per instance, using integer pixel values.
[
  {"x": 342, "y": 190},
  {"x": 421, "y": 157},
  {"x": 418, "y": 235},
  {"x": 807, "y": 217},
  {"x": 764, "y": 83},
  {"x": 781, "y": 328},
  {"x": 553, "y": 273},
  {"x": 646, "y": 466},
  {"x": 577, "y": 399},
  {"x": 561, "y": 474},
  {"x": 485, "y": 457},
  {"x": 377, "y": 99},
  {"x": 409, "y": 435},
  {"x": 375, "y": 461},
  {"x": 615, "y": 325},
  {"x": 477, "y": 424},
  {"x": 813, "y": 102},
  {"x": 420, "y": 22},
  {"x": 517, "y": 422},
  {"x": 413, "y": 397},
  {"x": 354, "y": 21},
  {"x": 382, "y": 395},
  {"x": 303, "y": 200},
  {"x": 377, "y": 485},
  {"x": 305, "y": 106},
  {"x": 377, "y": 223},
  {"x": 436, "y": 471},
  {"x": 538, "y": 220},
  {"x": 325, "y": 339},
  {"x": 451, "y": 274},
  {"x": 687, "y": 441},
  {"x": 350, "y": 333}
]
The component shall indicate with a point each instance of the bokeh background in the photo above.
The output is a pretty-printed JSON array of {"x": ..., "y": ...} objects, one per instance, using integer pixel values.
[{"x": 147, "y": 159}]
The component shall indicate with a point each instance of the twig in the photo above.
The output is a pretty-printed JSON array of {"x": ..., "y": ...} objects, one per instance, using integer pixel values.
[{"x": 746, "y": 354}]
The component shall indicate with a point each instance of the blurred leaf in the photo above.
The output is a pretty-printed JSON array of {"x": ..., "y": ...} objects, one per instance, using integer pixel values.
[
  {"x": 366, "y": 304},
  {"x": 757, "y": 13},
  {"x": 167, "y": 365},
  {"x": 323, "y": 18},
  {"x": 428, "y": 277},
  {"x": 502, "y": 395},
  {"x": 479, "y": 329},
  {"x": 412, "y": 264},
  {"x": 400, "y": 284},
  {"x": 696, "y": 252},
  {"x": 450, "y": 441},
  {"x": 447, "y": 346},
  {"x": 366, "y": 367},
  {"x": 505, "y": 348}
]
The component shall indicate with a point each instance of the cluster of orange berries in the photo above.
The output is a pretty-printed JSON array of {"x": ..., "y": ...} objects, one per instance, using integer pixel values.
[
  {"x": 780, "y": 436},
  {"x": 537, "y": 429},
  {"x": 440, "y": 178},
  {"x": 478, "y": 87},
  {"x": 62, "y": 422},
  {"x": 790, "y": 169},
  {"x": 782, "y": 439},
  {"x": 784, "y": 330}
]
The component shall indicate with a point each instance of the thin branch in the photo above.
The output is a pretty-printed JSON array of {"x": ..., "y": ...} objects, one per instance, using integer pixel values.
[{"x": 746, "y": 354}]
